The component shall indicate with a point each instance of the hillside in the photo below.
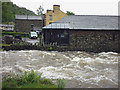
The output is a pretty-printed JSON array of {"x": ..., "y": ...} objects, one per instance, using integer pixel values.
[
  {"x": 9, "y": 10},
  {"x": 21, "y": 10}
]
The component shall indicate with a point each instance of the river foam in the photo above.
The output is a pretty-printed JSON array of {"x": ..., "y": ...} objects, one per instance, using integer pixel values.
[{"x": 93, "y": 70}]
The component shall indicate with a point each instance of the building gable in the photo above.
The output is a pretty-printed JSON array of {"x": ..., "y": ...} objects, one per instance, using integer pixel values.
[{"x": 53, "y": 15}]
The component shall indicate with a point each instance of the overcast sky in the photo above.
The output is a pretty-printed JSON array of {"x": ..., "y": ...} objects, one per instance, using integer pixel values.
[{"x": 79, "y": 7}]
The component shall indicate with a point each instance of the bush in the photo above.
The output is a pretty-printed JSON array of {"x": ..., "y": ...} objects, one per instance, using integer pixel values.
[
  {"x": 50, "y": 48},
  {"x": 46, "y": 81},
  {"x": 31, "y": 77},
  {"x": 11, "y": 81},
  {"x": 61, "y": 83},
  {"x": 15, "y": 33}
]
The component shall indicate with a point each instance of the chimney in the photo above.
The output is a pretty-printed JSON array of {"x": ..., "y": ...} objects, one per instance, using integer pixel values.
[
  {"x": 56, "y": 7},
  {"x": 48, "y": 11}
]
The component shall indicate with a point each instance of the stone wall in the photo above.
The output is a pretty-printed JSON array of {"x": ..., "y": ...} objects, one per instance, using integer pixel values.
[
  {"x": 95, "y": 41},
  {"x": 25, "y": 25}
]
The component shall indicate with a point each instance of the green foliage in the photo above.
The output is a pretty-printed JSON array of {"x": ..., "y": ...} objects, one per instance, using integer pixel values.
[
  {"x": 46, "y": 81},
  {"x": 40, "y": 11},
  {"x": 31, "y": 77},
  {"x": 50, "y": 48},
  {"x": 38, "y": 85},
  {"x": 70, "y": 13},
  {"x": 7, "y": 15},
  {"x": 21, "y": 11},
  {"x": 61, "y": 83},
  {"x": 5, "y": 45},
  {"x": 1, "y": 49},
  {"x": 11, "y": 81},
  {"x": 15, "y": 33},
  {"x": 9, "y": 10}
]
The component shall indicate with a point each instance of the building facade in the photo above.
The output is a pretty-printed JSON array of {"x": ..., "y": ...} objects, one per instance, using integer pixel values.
[
  {"x": 53, "y": 15},
  {"x": 85, "y": 33},
  {"x": 26, "y": 23}
]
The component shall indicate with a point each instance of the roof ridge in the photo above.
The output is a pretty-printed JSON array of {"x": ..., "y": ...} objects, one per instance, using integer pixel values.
[{"x": 98, "y": 15}]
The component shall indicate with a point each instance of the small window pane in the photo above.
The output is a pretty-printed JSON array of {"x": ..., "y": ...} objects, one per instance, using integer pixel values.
[{"x": 50, "y": 17}]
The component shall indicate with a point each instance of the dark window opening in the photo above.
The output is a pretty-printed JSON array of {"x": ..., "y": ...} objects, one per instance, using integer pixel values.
[
  {"x": 59, "y": 37},
  {"x": 113, "y": 37},
  {"x": 50, "y": 22}
]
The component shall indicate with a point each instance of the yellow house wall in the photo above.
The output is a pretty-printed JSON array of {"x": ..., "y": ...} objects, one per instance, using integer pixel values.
[{"x": 56, "y": 15}]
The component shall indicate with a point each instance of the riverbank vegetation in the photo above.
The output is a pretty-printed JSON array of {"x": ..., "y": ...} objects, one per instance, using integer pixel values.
[
  {"x": 4, "y": 45},
  {"x": 9, "y": 10},
  {"x": 17, "y": 33},
  {"x": 31, "y": 79}
]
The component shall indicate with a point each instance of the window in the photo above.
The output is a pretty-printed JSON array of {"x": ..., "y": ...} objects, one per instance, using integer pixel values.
[
  {"x": 62, "y": 36},
  {"x": 50, "y": 22},
  {"x": 50, "y": 17}
]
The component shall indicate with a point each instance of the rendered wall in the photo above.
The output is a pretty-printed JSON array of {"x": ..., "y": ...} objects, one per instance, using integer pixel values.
[{"x": 56, "y": 14}]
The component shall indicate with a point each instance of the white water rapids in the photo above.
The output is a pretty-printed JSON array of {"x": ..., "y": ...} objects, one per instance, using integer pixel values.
[{"x": 80, "y": 69}]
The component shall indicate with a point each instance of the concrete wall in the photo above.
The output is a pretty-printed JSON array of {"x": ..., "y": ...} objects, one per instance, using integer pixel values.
[
  {"x": 56, "y": 15},
  {"x": 25, "y": 25},
  {"x": 95, "y": 41}
]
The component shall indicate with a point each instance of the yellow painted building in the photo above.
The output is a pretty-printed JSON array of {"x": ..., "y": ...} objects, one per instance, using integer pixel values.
[{"x": 53, "y": 15}]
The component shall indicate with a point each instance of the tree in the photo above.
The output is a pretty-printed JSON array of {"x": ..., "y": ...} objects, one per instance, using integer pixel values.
[
  {"x": 40, "y": 11},
  {"x": 9, "y": 10},
  {"x": 7, "y": 15},
  {"x": 70, "y": 13}
]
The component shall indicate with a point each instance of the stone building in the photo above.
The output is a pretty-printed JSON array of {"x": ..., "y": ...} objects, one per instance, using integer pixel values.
[
  {"x": 53, "y": 15},
  {"x": 84, "y": 32},
  {"x": 26, "y": 23}
]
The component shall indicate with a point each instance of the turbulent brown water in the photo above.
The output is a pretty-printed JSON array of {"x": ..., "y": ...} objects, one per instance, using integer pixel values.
[{"x": 80, "y": 69}]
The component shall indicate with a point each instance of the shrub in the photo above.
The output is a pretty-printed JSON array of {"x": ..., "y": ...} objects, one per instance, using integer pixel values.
[
  {"x": 30, "y": 77},
  {"x": 15, "y": 33},
  {"x": 11, "y": 81},
  {"x": 46, "y": 81},
  {"x": 61, "y": 83},
  {"x": 50, "y": 48}
]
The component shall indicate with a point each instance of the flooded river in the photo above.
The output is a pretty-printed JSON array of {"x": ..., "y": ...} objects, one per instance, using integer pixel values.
[{"x": 80, "y": 69}]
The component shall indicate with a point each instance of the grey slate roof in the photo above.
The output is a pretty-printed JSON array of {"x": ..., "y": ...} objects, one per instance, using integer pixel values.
[
  {"x": 58, "y": 25},
  {"x": 87, "y": 22},
  {"x": 28, "y": 17},
  {"x": 6, "y": 25}
]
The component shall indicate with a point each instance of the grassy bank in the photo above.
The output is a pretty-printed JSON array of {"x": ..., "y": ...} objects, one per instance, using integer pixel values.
[
  {"x": 30, "y": 79},
  {"x": 4, "y": 45},
  {"x": 16, "y": 33}
]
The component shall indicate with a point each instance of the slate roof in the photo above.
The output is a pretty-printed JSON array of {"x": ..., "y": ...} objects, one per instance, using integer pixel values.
[
  {"x": 86, "y": 22},
  {"x": 58, "y": 25},
  {"x": 6, "y": 25},
  {"x": 28, "y": 17}
]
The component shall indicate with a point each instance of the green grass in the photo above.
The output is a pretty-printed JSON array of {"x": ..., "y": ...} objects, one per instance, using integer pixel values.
[
  {"x": 61, "y": 83},
  {"x": 30, "y": 79},
  {"x": 5, "y": 44},
  {"x": 37, "y": 85},
  {"x": 14, "y": 83},
  {"x": 15, "y": 33}
]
